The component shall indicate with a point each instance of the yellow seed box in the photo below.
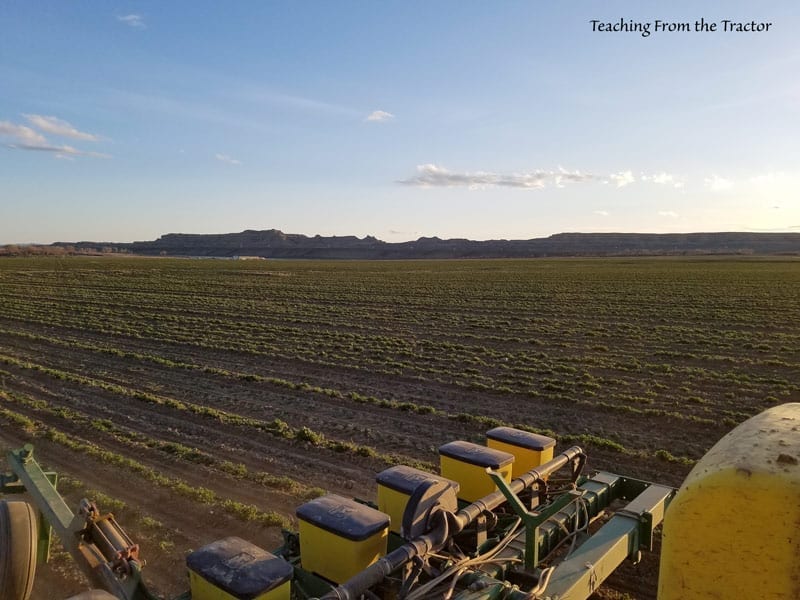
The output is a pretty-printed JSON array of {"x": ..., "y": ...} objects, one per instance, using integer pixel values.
[
  {"x": 232, "y": 568},
  {"x": 529, "y": 449},
  {"x": 340, "y": 537},
  {"x": 466, "y": 463}
]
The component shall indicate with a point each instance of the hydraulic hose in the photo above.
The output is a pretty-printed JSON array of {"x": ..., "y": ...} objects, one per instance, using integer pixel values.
[{"x": 374, "y": 574}]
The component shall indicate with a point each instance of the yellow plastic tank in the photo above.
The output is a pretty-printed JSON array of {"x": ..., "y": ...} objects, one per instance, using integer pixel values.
[
  {"x": 466, "y": 463},
  {"x": 340, "y": 537},
  {"x": 733, "y": 529},
  {"x": 234, "y": 569},
  {"x": 395, "y": 486},
  {"x": 529, "y": 449}
]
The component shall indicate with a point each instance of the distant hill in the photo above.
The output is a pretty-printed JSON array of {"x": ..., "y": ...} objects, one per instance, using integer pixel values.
[{"x": 273, "y": 243}]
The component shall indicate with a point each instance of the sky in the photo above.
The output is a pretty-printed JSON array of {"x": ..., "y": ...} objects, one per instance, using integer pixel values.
[{"x": 123, "y": 121}]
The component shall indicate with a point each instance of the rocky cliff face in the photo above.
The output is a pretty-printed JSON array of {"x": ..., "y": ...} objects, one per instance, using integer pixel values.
[{"x": 273, "y": 243}]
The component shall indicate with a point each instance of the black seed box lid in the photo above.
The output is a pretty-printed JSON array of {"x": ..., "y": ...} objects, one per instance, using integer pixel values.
[
  {"x": 239, "y": 567},
  {"x": 475, "y": 454},
  {"x": 405, "y": 479},
  {"x": 344, "y": 517},
  {"x": 523, "y": 439}
]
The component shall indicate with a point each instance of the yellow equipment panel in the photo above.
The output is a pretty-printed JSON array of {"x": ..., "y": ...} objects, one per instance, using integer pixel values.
[
  {"x": 466, "y": 463},
  {"x": 529, "y": 449},
  {"x": 340, "y": 537},
  {"x": 733, "y": 529}
]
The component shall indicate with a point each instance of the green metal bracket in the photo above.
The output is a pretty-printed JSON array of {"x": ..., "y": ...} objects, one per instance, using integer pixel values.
[
  {"x": 45, "y": 530},
  {"x": 621, "y": 537},
  {"x": 57, "y": 515},
  {"x": 532, "y": 520},
  {"x": 10, "y": 483}
]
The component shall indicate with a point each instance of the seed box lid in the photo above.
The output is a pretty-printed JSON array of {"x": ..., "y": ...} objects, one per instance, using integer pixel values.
[
  {"x": 240, "y": 568},
  {"x": 523, "y": 439},
  {"x": 405, "y": 479},
  {"x": 343, "y": 517},
  {"x": 475, "y": 454}
]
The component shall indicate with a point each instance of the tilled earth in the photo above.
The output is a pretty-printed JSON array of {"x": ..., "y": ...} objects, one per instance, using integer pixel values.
[
  {"x": 270, "y": 429},
  {"x": 188, "y": 525}
]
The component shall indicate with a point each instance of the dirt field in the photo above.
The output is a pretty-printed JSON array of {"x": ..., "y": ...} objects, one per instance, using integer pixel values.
[{"x": 210, "y": 398}]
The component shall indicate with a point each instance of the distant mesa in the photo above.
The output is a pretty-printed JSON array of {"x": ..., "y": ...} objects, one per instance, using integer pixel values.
[{"x": 273, "y": 243}]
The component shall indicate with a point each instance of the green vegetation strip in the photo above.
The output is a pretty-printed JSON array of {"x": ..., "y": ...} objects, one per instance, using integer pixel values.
[
  {"x": 202, "y": 495},
  {"x": 279, "y": 428},
  {"x": 694, "y": 344},
  {"x": 276, "y": 427},
  {"x": 554, "y": 386},
  {"x": 174, "y": 449}
]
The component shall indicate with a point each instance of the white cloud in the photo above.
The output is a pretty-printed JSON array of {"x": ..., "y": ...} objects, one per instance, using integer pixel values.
[
  {"x": 602, "y": 213},
  {"x": 564, "y": 176},
  {"x": 668, "y": 213},
  {"x": 25, "y": 138},
  {"x": 227, "y": 159},
  {"x": 135, "y": 21},
  {"x": 718, "y": 184},
  {"x": 622, "y": 178},
  {"x": 21, "y": 133},
  {"x": 663, "y": 178},
  {"x": 431, "y": 175},
  {"x": 58, "y": 127},
  {"x": 379, "y": 115},
  {"x": 60, "y": 151}
]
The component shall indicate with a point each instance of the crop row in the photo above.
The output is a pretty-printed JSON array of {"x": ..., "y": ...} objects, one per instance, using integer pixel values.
[
  {"x": 611, "y": 351},
  {"x": 276, "y": 428},
  {"x": 281, "y": 429},
  {"x": 202, "y": 495}
]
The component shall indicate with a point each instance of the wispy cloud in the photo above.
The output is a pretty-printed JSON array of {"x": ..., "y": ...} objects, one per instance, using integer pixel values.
[
  {"x": 21, "y": 133},
  {"x": 379, "y": 115},
  {"x": 563, "y": 176},
  {"x": 431, "y": 175},
  {"x": 602, "y": 213},
  {"x": 227, "y": 159},
  {"x": 135, "y": 21},
  {"x": 718, "y": 184},
  {"x": 668, "y": 213},
  {"x": 59, "y": 127},
  {"x": 663, "y": 178},
  {"x": 25, "y": 138},
  {"x": 622, "y": 178},
  {"x": 59, "y": 151}
]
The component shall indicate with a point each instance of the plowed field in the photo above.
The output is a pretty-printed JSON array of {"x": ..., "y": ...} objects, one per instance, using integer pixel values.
[{"x": 211, "y": 397}]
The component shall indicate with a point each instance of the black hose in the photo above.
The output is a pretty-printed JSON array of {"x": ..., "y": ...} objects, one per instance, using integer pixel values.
[{"x": 374, "y": 574}]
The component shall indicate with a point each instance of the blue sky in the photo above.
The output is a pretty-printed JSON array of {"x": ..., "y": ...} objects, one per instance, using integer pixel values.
[{"x": 123, "y": 121}]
